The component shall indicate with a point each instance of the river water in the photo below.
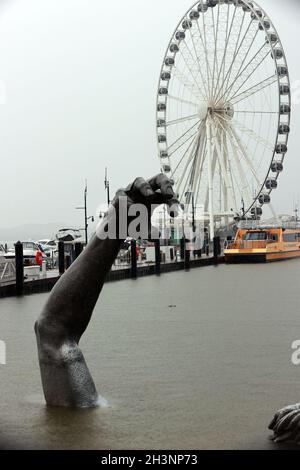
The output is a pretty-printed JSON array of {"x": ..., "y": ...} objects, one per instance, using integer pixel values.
[{"x": 206, "y": 373}]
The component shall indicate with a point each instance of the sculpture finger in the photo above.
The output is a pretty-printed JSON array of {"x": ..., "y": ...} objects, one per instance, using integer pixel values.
[
  {"x": 141, "y": 187},
  {"x": 163, "y": 184},
  {"x": 286, "y": 421},
  {"x": 273, "y": 422},
  {"x": 295, "y": 422},
  {"x": 284, "y": 437},
  {"x": 280, "y": 415}
]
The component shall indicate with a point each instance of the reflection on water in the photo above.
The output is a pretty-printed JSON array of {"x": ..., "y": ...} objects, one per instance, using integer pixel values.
[{"x": 207, "y": 373}]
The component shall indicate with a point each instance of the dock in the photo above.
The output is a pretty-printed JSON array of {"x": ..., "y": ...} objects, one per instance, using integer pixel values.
[{"x": 45, "y": 283}]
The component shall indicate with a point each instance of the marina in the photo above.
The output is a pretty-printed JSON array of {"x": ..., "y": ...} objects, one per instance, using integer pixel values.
[{"x": 38, "y": 281}]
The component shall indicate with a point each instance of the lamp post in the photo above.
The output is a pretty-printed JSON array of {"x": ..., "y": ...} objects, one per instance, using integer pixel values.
[
  {"x": 106, "y": 186},
  {"x": 86, "y": 218}
]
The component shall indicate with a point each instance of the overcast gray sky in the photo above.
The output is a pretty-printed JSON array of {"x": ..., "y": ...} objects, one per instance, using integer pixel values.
[{"x": 81, "y": 80}]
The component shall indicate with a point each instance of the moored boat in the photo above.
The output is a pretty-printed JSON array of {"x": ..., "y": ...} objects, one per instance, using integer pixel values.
[
  {"x": 69, "y": 235},
  {"x": 30, "y": 250},
  {"x": 255, "y": 242}
]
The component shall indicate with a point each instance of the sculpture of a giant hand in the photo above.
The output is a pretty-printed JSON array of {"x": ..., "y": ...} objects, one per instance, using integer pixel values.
[{"x": 65, "y": 376}]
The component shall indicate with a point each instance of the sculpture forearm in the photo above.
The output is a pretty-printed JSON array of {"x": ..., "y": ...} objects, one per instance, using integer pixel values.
[
  {"x": 73, "y": 299},
  {"x": 65, "y": 376}
]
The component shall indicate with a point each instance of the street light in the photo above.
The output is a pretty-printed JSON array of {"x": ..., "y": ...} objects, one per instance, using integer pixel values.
[
  {"x": 86, "y": 218},
  {"x": 106, "y": 186}
]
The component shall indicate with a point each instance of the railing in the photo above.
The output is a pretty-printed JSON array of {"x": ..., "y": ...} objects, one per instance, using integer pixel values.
[
  {"x": 256, "y": 225},
  {"x": 7, "y": 270}
]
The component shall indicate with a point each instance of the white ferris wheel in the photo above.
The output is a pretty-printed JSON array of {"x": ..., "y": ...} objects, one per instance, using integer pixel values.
[{"x": 223, "y": 109}]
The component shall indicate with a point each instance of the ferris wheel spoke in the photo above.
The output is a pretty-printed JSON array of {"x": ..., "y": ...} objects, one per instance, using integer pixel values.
[
  {"x": 241, "y": 111},
  {"x": 248, "y": 44},
  {"x": 198, "y": 162},
  {"x": 183, "y": 143},
  {"x": 215, "y": 160},
  {"x": 229, "y": 169},
  {"x": 245, "y": 184},
  {"x": 227, "y": 129},
  {"x": 178, "y": 141},
  {"x": 180, "y": 100},
  {"x": 190, "y": 181},
  {"x": 187, "y": 164},
  {"x": 235, "y": 181},
  {"x": 219, "y": 89},
  {"x": 184, "y": 155},
  {"x": 220, "y": 158},
  {"x": 183, "y": 119},
  {"x": 186, "y": 188},
  {"x": 228, "y": 35},
  {"x": 226, "y": 167},
  {"x": 259, "y": 87},
  {"x": 238, "y": 40},
  {"x": 254, "y": 135},
  {"x": 204, "y": 44},
  {"x": 186, "y": 82},
  {"x": 186, "y": 61},
  {"x": 216, "y": 30},
  {"x": 198, "y": 64},
  {"x": 245, "y": 155},
  {"x": 203, "y": 157},
  {"x": 253, "y": 66},
  {"x": 213, "y": 169}
]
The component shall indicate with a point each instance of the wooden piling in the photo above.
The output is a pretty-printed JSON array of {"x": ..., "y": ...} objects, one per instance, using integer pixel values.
[
  {"x": 133, "y": 260},
  {"x": 217, "y": 248},
  {"x": 157, "y": 257},
  {"x": 78, "y": 249},
  {"x": 61, "y": 257},
  {"x": 19, "y": 260}
]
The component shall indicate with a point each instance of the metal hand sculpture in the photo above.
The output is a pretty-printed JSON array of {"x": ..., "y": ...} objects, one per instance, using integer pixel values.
[{"x": 65, "y": 376}]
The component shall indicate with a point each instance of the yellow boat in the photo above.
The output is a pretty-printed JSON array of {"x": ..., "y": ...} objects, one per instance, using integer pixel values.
[{"x": 261, "y": 244}]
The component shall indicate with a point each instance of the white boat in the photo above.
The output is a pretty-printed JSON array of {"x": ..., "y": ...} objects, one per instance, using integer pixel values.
[
  {"x": 69, "y": 235},
  {"x": 29, "y": 253},
  {"x": 50, "y": 247},
  {"x": 48, "y": 244}
]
